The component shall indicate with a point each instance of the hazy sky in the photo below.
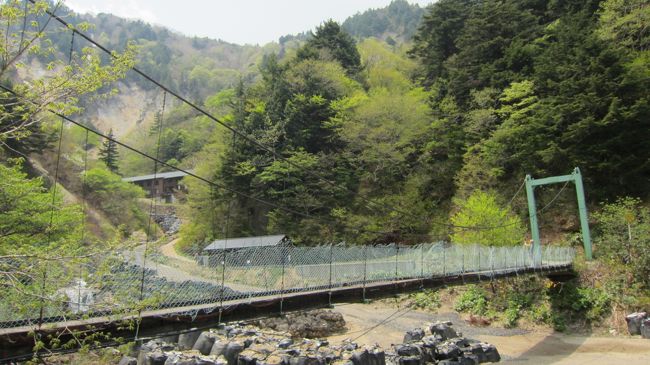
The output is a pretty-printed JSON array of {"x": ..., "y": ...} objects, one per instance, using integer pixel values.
[{"x": 242, "y": 21}]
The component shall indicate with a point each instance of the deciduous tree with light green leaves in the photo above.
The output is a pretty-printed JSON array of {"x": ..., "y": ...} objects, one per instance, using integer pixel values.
[
  {"x": 623, "y": 238},
  {"x": 482, "y": 220}
]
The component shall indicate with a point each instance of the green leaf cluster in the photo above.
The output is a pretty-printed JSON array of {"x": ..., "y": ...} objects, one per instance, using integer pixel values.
[{"x": 481, "y": 220}]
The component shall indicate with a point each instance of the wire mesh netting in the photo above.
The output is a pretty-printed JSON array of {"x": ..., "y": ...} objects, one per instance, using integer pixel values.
[{"x": 120, "y": 283}]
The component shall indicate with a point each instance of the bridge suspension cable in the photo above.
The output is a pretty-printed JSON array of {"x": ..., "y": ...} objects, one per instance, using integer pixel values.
[{"x": 554, "y": 198}]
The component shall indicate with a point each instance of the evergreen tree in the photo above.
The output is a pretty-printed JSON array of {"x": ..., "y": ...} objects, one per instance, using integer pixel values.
[
  {"x": 108, "y": 153},
  {"x": 155, "y": 127},
  {"x": 336, "y": 44}
]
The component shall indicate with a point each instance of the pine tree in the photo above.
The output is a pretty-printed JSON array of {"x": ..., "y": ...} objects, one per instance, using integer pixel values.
[
  {"x": 155, "y": 127},
  {"x": 108, "y": 153}
]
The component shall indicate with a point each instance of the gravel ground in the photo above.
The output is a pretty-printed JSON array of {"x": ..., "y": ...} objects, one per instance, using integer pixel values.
[{"x": 516, "y": 346}]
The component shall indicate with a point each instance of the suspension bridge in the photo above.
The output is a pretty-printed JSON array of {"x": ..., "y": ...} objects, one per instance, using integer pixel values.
[{"x": 102, "y": 288}]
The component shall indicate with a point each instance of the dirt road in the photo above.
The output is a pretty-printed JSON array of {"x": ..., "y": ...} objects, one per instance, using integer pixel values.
[
  {"x": 169, "y": 250},
  {"x": 515, "y": 345}
]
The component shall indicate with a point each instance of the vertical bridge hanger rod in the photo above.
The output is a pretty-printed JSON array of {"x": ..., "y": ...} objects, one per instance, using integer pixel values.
[{"x": 531, "y": 183}]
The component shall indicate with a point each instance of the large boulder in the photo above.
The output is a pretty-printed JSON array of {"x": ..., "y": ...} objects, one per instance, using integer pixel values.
[
  {"x": 205, "y": 342},
  {"x": 491, "y": 353},
  {"x": 232, "y": 352},
  {"x": 219, "y": 347},
  {"x": 186, "y": 340},
  {"x": 415, "y": 334},
  {"x": 645, "y": 328},
  {"x": 448, "y": 351},
  {"x": 634, "y": 322},
  {"x": 443, "y": 329}
]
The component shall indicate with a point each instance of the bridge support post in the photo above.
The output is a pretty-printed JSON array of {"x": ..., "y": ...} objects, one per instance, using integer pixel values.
[
  {"x": 576, "y": 178},
  {"x": 534, "y": 227},
  {"x": 584, "y": 219}
]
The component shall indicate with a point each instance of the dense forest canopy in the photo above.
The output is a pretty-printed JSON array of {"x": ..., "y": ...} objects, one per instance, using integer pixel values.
[{"x": 538, "y": 87}]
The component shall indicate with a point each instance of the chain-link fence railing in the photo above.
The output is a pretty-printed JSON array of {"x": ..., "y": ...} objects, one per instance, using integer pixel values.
[{"x": 129, "y": 282}]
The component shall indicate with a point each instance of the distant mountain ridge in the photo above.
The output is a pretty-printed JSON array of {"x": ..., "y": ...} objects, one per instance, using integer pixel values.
[
  {"x": 200, "y": 67},
  {"x": 398, "y": 21}
]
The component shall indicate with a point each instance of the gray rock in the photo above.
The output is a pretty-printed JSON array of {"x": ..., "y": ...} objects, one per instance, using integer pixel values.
[
  {"x": 431, "y": 341},
  {"x": 443, "y": 329},
  {"x": 408, "y": 350},
  {"x": 128, "y": 360},
  {"x": 645, "y": 328},
  {"x": 232, "y": 352},
  {"x": 285, "y": 343},
  {"x": 360, "y": 358},
  {"x": 415, "y": 334},
  {"x": 491, "y": 353},
  {"x": 156, "y": 357},
  {"x": 186, "y": 340},
  {"x": 477, "y": 351},
  {"x": 377, "y": 357},
  {"x": 246, "y": 358},
  {"x": 408, "y": 360},
  {"x": 218, "y": 348},
  {"x": 169, "y": 339},
  {"x": 468, "y": 360},
  {"x": 634, "y": 322},
  {"x": 448, "y": 351},
  {"x": 459, "y": 341},
  {"x": 307, "y": 360},
  {"x": 205, "y": 342}
]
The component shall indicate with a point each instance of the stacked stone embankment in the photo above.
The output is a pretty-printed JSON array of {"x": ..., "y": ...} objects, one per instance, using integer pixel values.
[{"x": 239, "y": 344}]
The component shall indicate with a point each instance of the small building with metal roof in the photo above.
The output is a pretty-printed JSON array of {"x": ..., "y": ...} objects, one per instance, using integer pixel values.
[
  {"x": 241, "y": 251},
  {"x": 162, "y": 185}
]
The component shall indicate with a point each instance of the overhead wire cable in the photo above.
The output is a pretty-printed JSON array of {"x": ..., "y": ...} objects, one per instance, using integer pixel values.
[{"x": 554, "y": 198}]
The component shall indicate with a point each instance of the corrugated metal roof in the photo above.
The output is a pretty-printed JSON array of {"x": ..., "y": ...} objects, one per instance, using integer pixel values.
[
  {"x": 160, "y": 175},
  {"x": 243, "y": 242}
]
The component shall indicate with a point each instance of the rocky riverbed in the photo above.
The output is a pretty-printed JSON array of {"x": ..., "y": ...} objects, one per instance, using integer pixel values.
[{"x": 282, "y": 341}]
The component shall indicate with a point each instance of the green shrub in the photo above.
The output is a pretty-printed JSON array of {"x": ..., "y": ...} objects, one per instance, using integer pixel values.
[
  {"x": 426, "y": 299},
  {"x": 511, "y": 316},
  {"x": 474, "y": 301},
  {"x": 623, "y": 238},
  {"x": 576, "y": 302},
  {"x": 594, "y": 301},
  {"x": 541, "y": 313},
  {"x": 117, "y": 199}
]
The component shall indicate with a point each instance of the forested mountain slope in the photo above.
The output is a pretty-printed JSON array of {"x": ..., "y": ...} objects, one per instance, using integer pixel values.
[
  {"x": 397, "y": 22},
  {"x": 494, "y": 90}
]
